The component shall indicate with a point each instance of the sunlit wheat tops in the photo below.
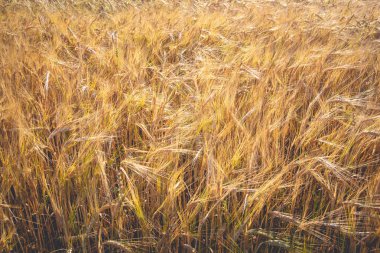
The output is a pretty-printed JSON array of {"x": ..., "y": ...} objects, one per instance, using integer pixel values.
[{"x": 190, "y": 126}]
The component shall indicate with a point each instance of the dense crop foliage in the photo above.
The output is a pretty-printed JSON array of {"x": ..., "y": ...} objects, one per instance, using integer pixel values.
[{"x": 190, "y": 126}]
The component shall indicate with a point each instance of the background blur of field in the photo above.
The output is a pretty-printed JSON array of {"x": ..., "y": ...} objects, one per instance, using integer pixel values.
[{"x": 248, "y": 126}]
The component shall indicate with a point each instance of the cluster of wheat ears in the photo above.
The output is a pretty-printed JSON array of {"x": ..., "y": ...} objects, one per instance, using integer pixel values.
[{"x": 195, "y": 126}]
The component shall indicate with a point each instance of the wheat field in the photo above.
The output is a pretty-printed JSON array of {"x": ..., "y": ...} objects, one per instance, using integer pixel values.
[{"x": 189, "y": 126}]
